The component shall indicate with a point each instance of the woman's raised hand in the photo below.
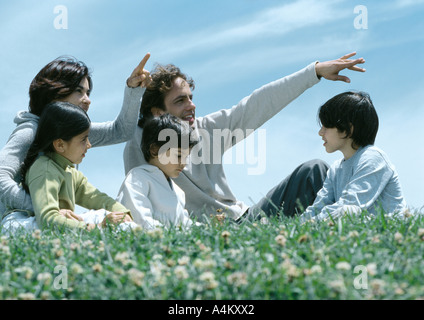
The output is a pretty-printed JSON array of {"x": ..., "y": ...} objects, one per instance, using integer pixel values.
[{"x": 140, "y": 77}]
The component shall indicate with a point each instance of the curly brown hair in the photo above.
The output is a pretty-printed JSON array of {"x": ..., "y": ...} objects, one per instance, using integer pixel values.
[{"x": 163, "y": 77}]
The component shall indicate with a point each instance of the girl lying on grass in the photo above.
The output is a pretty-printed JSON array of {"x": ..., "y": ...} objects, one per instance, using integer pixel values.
[
  {"x": 364, "y": 179},
  {"x": 61, "y": 141}
]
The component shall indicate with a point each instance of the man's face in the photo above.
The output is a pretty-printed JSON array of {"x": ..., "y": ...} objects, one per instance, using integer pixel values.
[{"x": 178, "y": 101}]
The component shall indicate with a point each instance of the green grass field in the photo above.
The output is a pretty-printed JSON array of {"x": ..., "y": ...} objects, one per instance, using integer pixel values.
[{"x": 351, "y": 258}]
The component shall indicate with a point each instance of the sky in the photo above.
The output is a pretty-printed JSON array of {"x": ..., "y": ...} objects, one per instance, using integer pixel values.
[{"x": 230, "y": 48}]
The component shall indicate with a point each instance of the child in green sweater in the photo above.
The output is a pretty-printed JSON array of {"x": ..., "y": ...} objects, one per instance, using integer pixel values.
[{"x": 53, "y": 182}]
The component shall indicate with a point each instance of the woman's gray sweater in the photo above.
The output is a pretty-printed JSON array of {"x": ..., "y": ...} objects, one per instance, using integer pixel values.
[{"x": 12, "y": 194}]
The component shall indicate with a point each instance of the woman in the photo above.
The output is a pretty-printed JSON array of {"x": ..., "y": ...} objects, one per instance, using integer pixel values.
[{"x": 68, "y": 80}]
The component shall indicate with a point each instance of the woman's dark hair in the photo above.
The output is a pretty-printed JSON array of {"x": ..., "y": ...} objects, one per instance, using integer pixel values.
[
  {"x": 55, "y": 81},
  {"x": 166, "y": 129},
  {"x": 59, "y": 120},
  {"x": 351, "y": 111},
  {"x": 162, "y": 82}
]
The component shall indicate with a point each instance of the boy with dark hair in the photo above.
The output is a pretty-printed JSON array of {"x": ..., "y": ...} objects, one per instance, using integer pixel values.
[
  {"x": 155, "y": 200},
  {"x": 364, "y": 179}
]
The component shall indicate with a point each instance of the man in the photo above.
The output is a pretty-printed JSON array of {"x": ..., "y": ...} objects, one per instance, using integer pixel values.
[{"x": 203, "y": 180}]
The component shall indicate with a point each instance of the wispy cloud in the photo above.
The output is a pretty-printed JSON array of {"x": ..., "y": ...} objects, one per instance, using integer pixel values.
[
  {"x": 408, "y": 3},
  {"x": 271, "y": 22}
]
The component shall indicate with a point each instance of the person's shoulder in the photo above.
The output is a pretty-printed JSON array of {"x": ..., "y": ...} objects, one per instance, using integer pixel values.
[
  {"x": 373, "y": 152},
  {"x": 372, "y": 156},
  {"x": 43, "y": 165},
  {"x": 143, "y": 170},
  {"x": 26, "y": 127}
]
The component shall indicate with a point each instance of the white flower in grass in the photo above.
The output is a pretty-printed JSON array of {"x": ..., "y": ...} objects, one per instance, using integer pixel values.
[
  {"x": 372, "y": 269},
  {"x": 4, "y": 248},
  {"x": 354, "y": 234},
  {"x": 97, "y": 267},
  {"x": 74, "y": 246},
  {"x": 269, "y": 257},
  {"x": 398, "y": 237},
  {"x": 56, "y": 242},
  {"x": 44, "y": 277},
  {"x": 36, "y": 234},
  {"x": 337, "y": 285},
  {"x": 136, "y": 276},
  {"x": 88, "y": 244},
  {"x": 343, "y": 265},
  {"x": 156, "y": 233},
  {"x": 237, "y": 279},
  {"x": 76, "y": 268},
  {"x": 209, "y": 279},
  {"x": 281, "y": 240},
  {"x": 181, "y": 272},
  {"x": 26, "y": 296},
  {"x": 26, "y": 271},
  {"x": 157, "y": 257},
  {"x": 123, "y": 257},
  {"x": 377, "y": 286},
  {"x": 183, "y": 261},
  {"x": 204, "y": 264},
  {"x": 316, "y": 269}
]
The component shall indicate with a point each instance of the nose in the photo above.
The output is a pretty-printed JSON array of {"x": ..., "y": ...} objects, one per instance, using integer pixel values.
[
  {"x": 86, "y": 102},
  {"x": 88, "y": 144},
  {"x": 321, "y": 131},
  {"x": 184, "y": 161},
  {"x": 190, "y": 105}
]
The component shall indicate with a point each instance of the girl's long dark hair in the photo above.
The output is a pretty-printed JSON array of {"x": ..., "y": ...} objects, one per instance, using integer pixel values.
[{"x": 59, "y": 120}]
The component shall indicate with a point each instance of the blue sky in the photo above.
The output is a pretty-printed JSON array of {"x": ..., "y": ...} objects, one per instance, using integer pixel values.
[{"x": 231, "y": 48}]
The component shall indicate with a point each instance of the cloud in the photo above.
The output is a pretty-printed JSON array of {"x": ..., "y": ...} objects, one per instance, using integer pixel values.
[
  {"x": 271, "y": 22},
  {"x": 408, "y": 3}
]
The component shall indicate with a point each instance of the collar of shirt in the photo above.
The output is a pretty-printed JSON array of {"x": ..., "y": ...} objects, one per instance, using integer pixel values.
[{"x": 60, "y": 160}]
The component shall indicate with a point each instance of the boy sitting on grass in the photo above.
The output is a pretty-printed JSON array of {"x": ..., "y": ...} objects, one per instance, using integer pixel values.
[
  {"x": 148, "y": 190},
  {"x": 364, "y": 179}
]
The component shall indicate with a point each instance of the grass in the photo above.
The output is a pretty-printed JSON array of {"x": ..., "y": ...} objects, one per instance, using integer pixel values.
[{"x": 350, "y": 258}]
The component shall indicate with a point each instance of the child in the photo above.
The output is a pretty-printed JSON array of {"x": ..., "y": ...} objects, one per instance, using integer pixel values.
[
  {"x": 148, "y": 190},
  {"x": 51, "y": 178},
  {"x": 364, "y": 179}
]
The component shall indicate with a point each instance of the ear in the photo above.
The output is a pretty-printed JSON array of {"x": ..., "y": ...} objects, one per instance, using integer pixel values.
[
  {"x": 351, "y": 130},
  {"x": 154, "y": 150},
  {"x": 157, "y": 111},
  {"x": 59, "y": 145}
]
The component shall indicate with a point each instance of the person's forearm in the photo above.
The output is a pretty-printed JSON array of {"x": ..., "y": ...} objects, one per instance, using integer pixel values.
[{"x": 122, "y": 128}]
